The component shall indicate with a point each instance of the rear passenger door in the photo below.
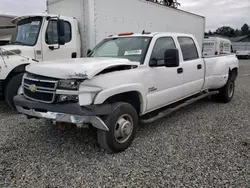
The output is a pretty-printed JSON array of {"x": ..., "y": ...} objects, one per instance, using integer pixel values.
[{"x": 193, "y": 67}]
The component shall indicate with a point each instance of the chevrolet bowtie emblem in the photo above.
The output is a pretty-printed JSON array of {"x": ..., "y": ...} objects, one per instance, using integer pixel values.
[{"x": 32, "y": 88}]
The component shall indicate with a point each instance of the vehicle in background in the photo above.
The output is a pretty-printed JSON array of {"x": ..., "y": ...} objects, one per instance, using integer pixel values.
[
  {"x": 126, "y": 79},
  {"x": 216, "y": 46},
  {"x": 85, "y": 23},
  {"x": 7, "y": 28},
  {"x": 243, "y": 54},
  {"x": 242, "y": 49},
  {"x": 4, "y": 40}
]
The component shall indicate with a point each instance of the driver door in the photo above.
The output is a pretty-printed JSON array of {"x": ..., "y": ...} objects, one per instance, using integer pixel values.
[
  {"x": 51, "y": 41},
  {"x": 166, "y": 82}
]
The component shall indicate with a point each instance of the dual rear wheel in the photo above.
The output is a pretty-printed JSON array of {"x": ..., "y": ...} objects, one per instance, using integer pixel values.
[{"x": 226, "y": 93}]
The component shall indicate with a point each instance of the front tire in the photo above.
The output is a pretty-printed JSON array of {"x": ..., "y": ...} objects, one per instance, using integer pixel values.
[
  {"x": 122, "y": 124},
  {"x": 11, "y": 89}
]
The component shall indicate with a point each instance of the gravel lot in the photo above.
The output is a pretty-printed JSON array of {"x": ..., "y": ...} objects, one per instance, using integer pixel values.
[{"x": 204, "y": 145}]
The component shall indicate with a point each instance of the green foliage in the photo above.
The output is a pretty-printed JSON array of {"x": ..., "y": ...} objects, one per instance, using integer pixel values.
[
  {"x": 245, "y": 29},
  {"x": 230, "y": 32},
  {"x": 170, "y": 3}
]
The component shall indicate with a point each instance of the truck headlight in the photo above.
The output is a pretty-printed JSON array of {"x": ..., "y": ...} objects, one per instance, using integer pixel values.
[
  {"x": 68, "y": 84},
  {"x": 65, "y": 98}
]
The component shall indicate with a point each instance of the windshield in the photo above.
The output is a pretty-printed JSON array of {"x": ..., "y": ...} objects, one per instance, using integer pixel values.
[
  {"x": 27, "y": 31},
  {"x": 131, "y": 48}
]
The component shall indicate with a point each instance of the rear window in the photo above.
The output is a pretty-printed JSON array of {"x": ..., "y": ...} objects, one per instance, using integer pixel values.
[{"x": 188, "y": 48}]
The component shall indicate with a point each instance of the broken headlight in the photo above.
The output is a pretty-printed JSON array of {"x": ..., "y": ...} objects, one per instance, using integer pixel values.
[
  {"x": 65, "y": 98},
  {"x": 68, "y": 84}
]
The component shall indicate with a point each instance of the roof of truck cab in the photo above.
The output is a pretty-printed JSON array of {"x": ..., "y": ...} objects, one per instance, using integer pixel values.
[
  {"x": 16, "y": 19},
  {"x": 153, "y": 34}
]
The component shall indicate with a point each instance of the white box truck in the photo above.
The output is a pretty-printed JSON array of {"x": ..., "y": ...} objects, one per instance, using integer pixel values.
[
  {"x": 86, "y": 23},
  {"x": 216, "y": 46}
]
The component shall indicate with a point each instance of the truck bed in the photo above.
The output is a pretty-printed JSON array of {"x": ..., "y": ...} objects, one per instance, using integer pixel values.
[{"x": 215, "y": 72}]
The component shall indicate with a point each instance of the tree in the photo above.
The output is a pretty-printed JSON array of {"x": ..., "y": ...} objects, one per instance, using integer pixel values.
[
  {"x": 210, "y": 32},
  {"x": 237, "y": 32},
  {"x": 170, "y": 3},
  {"x": 225, "y": 31},
  {"x": 245, "y": 29}
]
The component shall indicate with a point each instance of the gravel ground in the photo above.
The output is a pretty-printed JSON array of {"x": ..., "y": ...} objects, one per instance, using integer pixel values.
[{"x": 204, "y": 145}]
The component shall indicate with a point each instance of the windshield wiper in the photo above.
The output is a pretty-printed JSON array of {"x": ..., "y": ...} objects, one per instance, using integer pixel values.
[{"x": 17, "y": 42}]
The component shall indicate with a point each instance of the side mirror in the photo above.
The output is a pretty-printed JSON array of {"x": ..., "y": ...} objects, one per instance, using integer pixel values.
[
  {"x": 61, "y": 32},
  {"x": 153, "y": 62},
  {"x": 171, "y": 58}
]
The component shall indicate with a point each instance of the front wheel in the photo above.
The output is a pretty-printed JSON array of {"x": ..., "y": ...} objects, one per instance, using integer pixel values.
[
  {"x": 122, "y": 124},
  {"x": 11, "y": 89}
]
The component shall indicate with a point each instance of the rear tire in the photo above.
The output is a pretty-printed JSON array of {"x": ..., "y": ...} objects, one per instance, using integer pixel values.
[
  {"x": 122, "y": 124},
  {"x": 11, "y": 90},
  {"x": 226, "y": 93}
]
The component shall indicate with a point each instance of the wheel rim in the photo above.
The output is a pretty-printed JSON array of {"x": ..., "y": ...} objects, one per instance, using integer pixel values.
[
  {"x": 123, "y": 128},
  {"x": 231, "y": 89}
]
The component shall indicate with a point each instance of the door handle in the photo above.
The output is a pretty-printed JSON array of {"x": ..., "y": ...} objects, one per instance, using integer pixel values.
[
  {"x": 180, "y": 70},
  {"x": 74, "y": 55},
  {"x": 199, "y": 66}
]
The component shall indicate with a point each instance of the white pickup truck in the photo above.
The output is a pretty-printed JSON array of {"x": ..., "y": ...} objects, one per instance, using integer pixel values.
[{"x": 126, "y": 78}]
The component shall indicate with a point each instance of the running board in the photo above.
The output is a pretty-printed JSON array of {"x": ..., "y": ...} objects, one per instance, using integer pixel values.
[{"x": 171, "y": 110}]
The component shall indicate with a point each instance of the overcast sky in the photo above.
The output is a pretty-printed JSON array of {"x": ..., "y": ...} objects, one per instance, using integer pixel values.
[{"x": 218, "y": 13}]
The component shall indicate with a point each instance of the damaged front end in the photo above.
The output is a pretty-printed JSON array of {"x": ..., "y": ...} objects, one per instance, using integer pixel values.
[{"x": 57, "y": 100}]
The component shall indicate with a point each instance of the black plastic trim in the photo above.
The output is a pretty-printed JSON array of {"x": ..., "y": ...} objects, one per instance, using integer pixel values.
[{"x": 66, "y": 108}]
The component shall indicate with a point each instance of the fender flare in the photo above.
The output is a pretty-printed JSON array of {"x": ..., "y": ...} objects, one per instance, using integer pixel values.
[
  {"x": 18, "y": 69},
  {"x": 101, "y": 97}
]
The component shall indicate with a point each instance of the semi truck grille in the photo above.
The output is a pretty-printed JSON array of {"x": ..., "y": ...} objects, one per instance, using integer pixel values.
[{"x": 39, "y": 88}]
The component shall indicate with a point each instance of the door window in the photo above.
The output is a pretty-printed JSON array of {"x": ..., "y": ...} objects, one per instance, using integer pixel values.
[
  {"x": 188, "y": 48},
  {"x": 52, "y": 35},
  {"x": 161, "y": 45}
]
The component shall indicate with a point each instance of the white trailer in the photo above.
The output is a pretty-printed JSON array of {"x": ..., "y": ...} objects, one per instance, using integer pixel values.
[
  {"x": 98, "y": 19},
  {"x": 85, "y": 23},
  {"x": 241, "y": 46}
]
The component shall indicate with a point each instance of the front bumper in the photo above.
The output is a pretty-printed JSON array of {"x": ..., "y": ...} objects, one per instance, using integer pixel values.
[{"x": 65, "y": 112}]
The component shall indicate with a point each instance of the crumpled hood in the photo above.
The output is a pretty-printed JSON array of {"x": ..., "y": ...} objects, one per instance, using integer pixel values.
[
  {"x": 27, "y": 51},
  {"x": 80, "y": 68}
]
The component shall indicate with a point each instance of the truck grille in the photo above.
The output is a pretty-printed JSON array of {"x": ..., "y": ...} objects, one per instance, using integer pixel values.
[{"x": 39, "y": 88}]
